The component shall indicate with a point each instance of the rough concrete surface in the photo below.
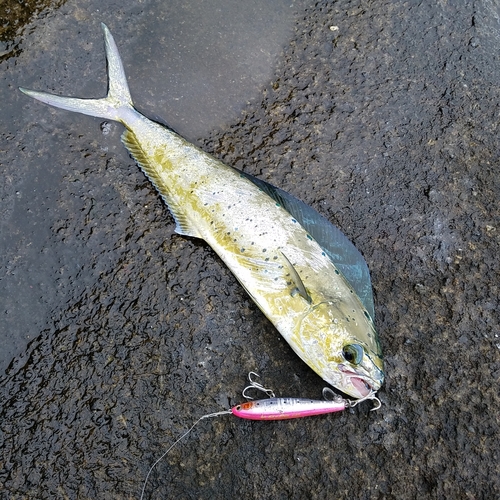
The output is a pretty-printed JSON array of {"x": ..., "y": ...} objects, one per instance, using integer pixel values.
[{"x": 383, "y": 116}]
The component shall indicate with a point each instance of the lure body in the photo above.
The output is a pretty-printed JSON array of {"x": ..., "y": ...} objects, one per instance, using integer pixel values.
[
  {"x": 286, "y": 408},
  {"x": 268, "y": 239}
]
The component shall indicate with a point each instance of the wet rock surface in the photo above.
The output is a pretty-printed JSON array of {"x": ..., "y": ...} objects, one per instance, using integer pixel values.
[{"x": 383, "y": 116}]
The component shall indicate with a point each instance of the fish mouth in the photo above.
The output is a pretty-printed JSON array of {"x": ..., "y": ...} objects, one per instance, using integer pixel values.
[{"x": 360, "y": 383}]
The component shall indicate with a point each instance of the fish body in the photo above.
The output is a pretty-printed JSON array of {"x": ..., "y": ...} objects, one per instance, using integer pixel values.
[{"x": 265, "y": 237}]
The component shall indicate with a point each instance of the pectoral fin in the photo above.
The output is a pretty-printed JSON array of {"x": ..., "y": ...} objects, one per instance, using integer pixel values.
[{"x": 299, "y": 284}]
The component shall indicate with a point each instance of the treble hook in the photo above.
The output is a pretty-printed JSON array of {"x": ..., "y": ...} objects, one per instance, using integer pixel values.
[
  {"x": 371, "y": 395},
  {"x": 255, "y": 385}
]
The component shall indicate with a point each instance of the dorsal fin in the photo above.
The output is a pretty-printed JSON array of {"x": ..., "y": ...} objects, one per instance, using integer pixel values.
[
  {"x": 344, "y": 255},
  {"x": 300, "y": 287}
]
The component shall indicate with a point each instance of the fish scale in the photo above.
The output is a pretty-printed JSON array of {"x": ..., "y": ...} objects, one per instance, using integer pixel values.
[{"x": 300, "y": 270}]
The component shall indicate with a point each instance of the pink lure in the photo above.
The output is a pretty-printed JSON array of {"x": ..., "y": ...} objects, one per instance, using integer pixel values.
[{"x": 285, "y": 408}]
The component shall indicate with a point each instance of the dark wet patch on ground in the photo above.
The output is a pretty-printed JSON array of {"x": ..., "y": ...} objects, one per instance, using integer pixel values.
[
  {"x": 14, "y": 17},
  {"x": 388, "y": 126}
]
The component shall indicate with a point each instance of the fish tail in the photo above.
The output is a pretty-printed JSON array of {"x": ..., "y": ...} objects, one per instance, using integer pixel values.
[{"x": 114, "y": 106}]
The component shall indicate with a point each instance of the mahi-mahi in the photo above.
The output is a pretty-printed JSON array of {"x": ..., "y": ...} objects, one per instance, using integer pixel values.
[{"x": 300, "y": 270}]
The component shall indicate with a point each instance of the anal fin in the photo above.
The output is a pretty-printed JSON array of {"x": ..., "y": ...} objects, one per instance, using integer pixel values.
[{"x": 183, "y": 225}]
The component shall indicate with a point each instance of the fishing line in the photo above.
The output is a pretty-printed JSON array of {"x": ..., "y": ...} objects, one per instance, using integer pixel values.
[{"x": 209, "y": 415}]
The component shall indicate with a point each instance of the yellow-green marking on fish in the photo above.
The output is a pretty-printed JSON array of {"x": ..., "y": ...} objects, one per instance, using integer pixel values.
[{"x": 304, "y": 275}]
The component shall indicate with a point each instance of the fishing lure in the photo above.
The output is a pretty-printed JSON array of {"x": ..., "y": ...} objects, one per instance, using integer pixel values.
[
  {"x": 286, "y": 408},
  {"x": 275, "y": 408}
]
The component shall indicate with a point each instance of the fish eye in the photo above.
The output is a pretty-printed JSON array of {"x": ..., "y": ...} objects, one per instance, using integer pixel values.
[{"x": 353, "y": 353}]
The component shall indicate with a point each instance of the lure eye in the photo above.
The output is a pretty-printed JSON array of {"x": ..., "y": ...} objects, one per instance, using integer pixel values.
[{"x": 353, "y": 353}]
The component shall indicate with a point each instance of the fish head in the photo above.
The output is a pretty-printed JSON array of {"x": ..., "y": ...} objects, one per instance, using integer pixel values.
[
  {"x": 361, "y": 370},
  {"x": 342, "y": 348}
]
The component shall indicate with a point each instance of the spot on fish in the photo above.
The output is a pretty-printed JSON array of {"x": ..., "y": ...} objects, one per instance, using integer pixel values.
[
  {"x": 242, "y": 250},
  {"x": 294, "y": 221},
  {"x": 309, "y": 237},
  {"x": 336, "y": 271}
]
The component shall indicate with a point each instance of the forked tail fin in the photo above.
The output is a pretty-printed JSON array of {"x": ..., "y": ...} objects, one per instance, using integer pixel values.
[{"x": 114, "y": 106}]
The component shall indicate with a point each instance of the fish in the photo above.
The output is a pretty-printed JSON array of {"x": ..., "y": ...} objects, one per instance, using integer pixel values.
[{"x": 301, "y": 271}]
